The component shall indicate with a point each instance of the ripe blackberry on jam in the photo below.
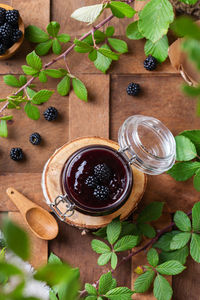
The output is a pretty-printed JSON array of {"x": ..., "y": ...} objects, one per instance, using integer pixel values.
[
  {"x": 101, "y": 192},
  {"x": 91, "y": 181},
  {"x": 102, "y": 172}
]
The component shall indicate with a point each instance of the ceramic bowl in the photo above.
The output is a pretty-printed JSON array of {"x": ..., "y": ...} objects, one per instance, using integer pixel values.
[{"x": 12, "y": 50}]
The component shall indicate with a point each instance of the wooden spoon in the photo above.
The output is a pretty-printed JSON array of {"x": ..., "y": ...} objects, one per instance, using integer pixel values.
[{"x": 40, "y": 221}]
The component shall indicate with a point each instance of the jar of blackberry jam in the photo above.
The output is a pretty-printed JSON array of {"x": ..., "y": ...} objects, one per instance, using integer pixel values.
[{"x": 97, "y": 179}]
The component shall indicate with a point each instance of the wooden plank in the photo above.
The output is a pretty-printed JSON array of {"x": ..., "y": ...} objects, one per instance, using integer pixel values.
[
  {"x": 140, "y": 260},
  {"x": 37, "y": 14},
  {"x": 92, "y": 118},
  {"x": 28, "y": 184},
  {"x": 160, "y": 97},
  {"x": 39, "y": 250}
]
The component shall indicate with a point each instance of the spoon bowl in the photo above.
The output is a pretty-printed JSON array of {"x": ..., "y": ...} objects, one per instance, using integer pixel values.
[{"x": 40, "y": 221}]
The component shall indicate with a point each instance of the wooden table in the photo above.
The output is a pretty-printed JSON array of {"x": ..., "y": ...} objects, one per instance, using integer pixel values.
[{"x": 108, "y": 107}]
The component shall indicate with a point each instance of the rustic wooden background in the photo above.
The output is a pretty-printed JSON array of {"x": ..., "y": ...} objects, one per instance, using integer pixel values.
[{"x": 108, "y": 107}]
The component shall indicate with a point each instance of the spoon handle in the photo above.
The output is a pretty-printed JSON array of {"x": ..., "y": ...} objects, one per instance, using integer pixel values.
[{"x": 22, "y": 203}]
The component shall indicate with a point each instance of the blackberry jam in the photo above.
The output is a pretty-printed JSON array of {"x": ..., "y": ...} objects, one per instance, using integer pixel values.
[{"x": 93, "y": 194}]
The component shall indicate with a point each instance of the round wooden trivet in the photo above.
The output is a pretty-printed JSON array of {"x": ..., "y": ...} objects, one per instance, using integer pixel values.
[{"x": 52, "y": 187}]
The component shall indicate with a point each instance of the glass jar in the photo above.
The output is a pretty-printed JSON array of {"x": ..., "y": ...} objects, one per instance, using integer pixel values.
[{"x": 144, "y": 142}]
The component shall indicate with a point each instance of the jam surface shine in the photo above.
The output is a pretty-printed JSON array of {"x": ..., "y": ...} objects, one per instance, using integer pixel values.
[{"x": 81, "y": 165}]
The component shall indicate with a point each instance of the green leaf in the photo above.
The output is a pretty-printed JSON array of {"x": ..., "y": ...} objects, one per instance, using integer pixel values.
[
  {"x": 159, "y": 49},
  {"x": 105, "y": 283},
  {"x": 132, "y": 31},
  {"x": 22, "y": 80},
  {"x": 190, "y": 2},
  {"x": 63, "y": 86},
  {"x": 8, "y": 270},
  {"x": 196, "y": 217},
  {"x": 165, "y": 240},
  {"x": 53, "y": 28},
  {"x": 16, "y": 239},
  {"x": 182, "y": 171},
  {"x": 91, "y": 298},
  {"x": 147, "y": 230},
  {"x": 52, "y": 296},
  {"x": 54, "y": 273},
  {"x": 185, "y": 149},
  {"x": 144, "y": 281},
  {"x": 43, "y": 48},
  {"x": 113, "y": 230},
  {"x": 30, "y": 92},
  {"x": 32, "y": 111},
  {"x": 54, "y": 73},
  {"x": 29, "y": 71},
  {"x": 54, "y": 259},
  {"x": 34, "y": 61},
  {"x": 11, "y": 80},
  {"x": 3, "y": 128},
  {"x": 99, "y": 37},
  {"x": 121, "y": 9},
  {"x": 88, "y": 14},
  {"x": 114, "y": 284},
  {"x": 122, "y": 293},
  {"x": 118, "y": 45},
  {"x": 93, "y": 55},
  {"x": 192, "y": 47},
  {"x": 154, "y": 19},
  {"x": 42, "y": 96},
  {"x": 152, "y": 257},
  {"x": 194, "y": 136},
  {"x": 6, "y": 118},
  {"x": 171, "y": 267},
  {"x": 108, "y": 53},
  {"x": 79, "y": 89},
  {"x": 42, "y": 76},
  {"x": 35, "y": 34},
  {"x": 100, "y": 247},
  {"x": 101, "y": 232},
  {"x": 162, "y": 289},
  {"x": 82, "y": 47},
  {"x": 102, "y": 62},
  {"x": 56, "y": 47},
  {"x": 180, "y": 255},
  {"x": 192, "y": 92},
  {"x": 129, "y": 228},
  {"x": 182, "y": 221},
  {"x": 114, "y": 260},
  {"x": 90, "y": 289},
  {"x": 3, "y": 100},
  {"x": 180, "y": 240},
  {"x": 126, "y": 243},
  {"x": 151, "y": 212},
  {"x": 195, "y": 247},
  {"x": 185, "y": 26},
  {"x": 104, "y": 259},
  {"x": 63, "y": 37},
  {"x": 110, "y": 30}
]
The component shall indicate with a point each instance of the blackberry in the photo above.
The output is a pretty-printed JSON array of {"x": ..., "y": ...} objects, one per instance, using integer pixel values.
[
  {"x": 133, "y": 89},
  {"x": 101, "y": 192},
  {"x": 5, "y": 33},
  {"x": 16, "y": 35},
  {"x": 12, "y": 16},
  {"x": 102, "y": 172},
  {"x": 2, "y": 15},
  {"x": 2, "y": 49},
  {"x": 35, "y": 138},
  {"x": 51, "y": 113},
  {"x": 16, "y": 154},
  {"x": 150, "y": 63},
  {"x": 91, "y": 181}
]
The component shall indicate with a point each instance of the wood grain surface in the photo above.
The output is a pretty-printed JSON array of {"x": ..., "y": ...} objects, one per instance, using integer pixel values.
[{"x": 108, "y": 107}]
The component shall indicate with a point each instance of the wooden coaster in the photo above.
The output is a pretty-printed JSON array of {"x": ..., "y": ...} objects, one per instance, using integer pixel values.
[{"x": 52, "y": 187}]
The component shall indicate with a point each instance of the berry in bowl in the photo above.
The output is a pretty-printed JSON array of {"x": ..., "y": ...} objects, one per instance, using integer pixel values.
[{"x": 11, "y": 31}]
